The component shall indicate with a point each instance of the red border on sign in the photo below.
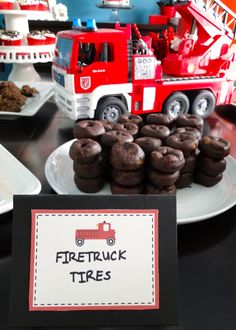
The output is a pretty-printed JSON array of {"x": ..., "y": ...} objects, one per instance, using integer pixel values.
[{"x": 103, "y": 307}]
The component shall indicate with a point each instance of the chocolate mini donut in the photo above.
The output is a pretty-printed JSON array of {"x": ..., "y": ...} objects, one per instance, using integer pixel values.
[
  {"x": 167, "y": 159},
  {"x": 207, "y": 180},
  {"x": 127, "y": 156},
  {"x": 85, "y": 151},
  {"x": 148, "y": 144},
  {"x": 90, "y": 170},
  {"x": 88, "y": 129},
  {"x": 184, "y": 142},
  {"x": 128, "y": 178},
  {"x": 131, "y": 128},
  {"x": 129, "y": 118},
  {"x": 190, "y": 164},
  {"x": 214, "y": 147},
  {"x": 210, "y": 166},
  {"x": 112, "y": 137},
  {"x": 150, "y": 189},
  {"x": 126, "y": 190},
  {"x": 190, "y": 121},
  {"x": 157, "y": 131},
  {"x": 160, "y": 119},
  {"x": 161, "y": 179},
  {"x": 107, "y": 125},
  {"x": 184, "y": 180},
  {"x": 190, "y": 130},
  {"x": 91, "y": 185}
]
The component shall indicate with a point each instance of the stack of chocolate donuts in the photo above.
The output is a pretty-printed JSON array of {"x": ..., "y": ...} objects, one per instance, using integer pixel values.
[
  {"x": 86, "y": 153},
  {"x": 165, "y": 164},
  {"x": 211, "y": 161},
  {"x": 152, "y": 155},
  {"x": 187, "y": 133},
  {"x": 128, "y": 173}
]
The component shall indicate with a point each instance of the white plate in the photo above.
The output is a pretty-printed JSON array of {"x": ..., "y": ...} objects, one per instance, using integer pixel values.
[
  {"x": 33, "y": 104},
  {"x": 15, "y": 179},
  {"x": 193, "y": 204}
]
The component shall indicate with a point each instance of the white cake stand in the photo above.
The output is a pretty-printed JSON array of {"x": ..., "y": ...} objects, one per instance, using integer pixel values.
[
  {"x": 23, "y": 57},
  {"x": 114, "y": 10}
]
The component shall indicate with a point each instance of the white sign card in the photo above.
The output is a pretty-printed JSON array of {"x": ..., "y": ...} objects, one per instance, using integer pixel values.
[{"x": 96, "y": 259}]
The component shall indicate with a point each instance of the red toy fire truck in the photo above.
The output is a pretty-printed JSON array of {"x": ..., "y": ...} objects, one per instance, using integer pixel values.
[
  {"x": 104, "y": 231},
  {"x": 102, "y": 73}
]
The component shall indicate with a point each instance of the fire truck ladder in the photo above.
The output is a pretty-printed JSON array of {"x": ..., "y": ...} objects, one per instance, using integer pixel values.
[{"x": 219, "y": 13}]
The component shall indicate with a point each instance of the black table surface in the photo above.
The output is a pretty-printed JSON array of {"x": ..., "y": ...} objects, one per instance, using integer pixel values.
[{"x": 206, "y": 249}]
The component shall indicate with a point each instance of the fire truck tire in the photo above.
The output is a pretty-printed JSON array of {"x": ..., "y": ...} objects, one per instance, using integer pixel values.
[
  {"x": 110, "y": 109},
  {"x": 79, "y": 241},
  {"x": 176, "y": 104},
  {"x": 110, "y": 241},
  {"x": 203, "y": 104}
]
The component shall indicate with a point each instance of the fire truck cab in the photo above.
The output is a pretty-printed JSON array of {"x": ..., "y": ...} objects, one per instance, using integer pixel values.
[
  {"x": 91, "y": 72},
  {"x": 102, "y": 73}
]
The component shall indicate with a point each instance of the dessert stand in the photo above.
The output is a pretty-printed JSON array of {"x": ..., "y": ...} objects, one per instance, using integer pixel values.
[
  {"x": 23, "y": 57},
  {"x": 114, "y": 10}
]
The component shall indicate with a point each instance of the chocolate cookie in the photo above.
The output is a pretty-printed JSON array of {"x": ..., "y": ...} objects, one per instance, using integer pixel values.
[
  {"x": 167, "y": 159},
  {"x": 85, "y": 151},
  {"x": 127, "y": 156},
  {"x": 214, "y": 147},
  {"x": 88, "y": 129}
]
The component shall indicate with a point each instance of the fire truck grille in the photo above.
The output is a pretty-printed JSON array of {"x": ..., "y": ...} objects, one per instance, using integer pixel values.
[{"x": 79, "y": 105}]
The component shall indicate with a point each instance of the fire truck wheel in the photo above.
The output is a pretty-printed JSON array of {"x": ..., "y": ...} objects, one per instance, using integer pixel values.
[
  {"x": 110, "y": 241},
  {"x": 176, "y": 104},
  {"x": 110, "y": 109},
  {"x": 203, "y": 104},
  {"x": 79, "y": 241}
]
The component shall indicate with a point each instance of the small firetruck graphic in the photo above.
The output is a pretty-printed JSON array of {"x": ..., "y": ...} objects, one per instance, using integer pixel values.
[{"x": 103, "y": 231}]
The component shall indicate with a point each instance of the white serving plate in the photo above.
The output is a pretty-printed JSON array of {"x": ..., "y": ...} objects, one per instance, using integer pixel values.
[
  {"x": 193, "y": 204},
  {"x": 33, "y": 104},
  {"x": 15, "y": 179}
]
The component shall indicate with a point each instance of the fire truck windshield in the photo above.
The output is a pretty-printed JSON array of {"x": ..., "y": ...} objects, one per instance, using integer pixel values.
[{"x": 64, "y": 49}]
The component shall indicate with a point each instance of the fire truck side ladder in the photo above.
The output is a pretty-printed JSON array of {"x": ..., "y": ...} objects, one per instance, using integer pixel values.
[
  {"x": 218, "y": 13},
  {"x": 222, "y": 12}
]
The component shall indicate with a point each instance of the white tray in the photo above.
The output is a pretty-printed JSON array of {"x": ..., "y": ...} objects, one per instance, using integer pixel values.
[
  {"x": 33, "y": 104},
  {"x": 193, "y": 204},
  {"x": 15, "y": 179}
]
